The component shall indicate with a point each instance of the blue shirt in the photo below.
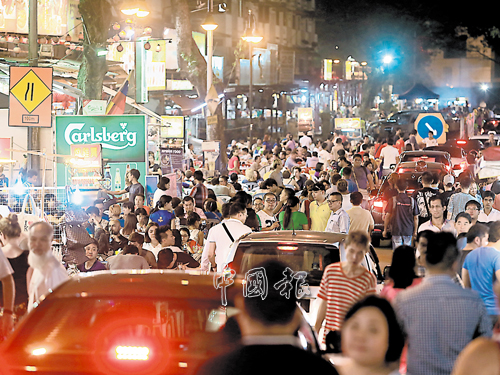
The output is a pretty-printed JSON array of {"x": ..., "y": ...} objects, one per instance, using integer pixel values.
[
  {"x": 162, "y": 217},
  {"x": 440, "y": 318},
  {"x": 482, "y": 263},
  {"x": 351, "y": 186}
]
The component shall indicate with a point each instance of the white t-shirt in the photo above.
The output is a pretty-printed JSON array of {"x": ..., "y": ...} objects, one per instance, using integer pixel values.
[
  {"x": 223, "y": 243},
  {"x": 158, "y": 193},
  {"x": 266, "y": 220},
  {"x": 430, "y": 142},
  {"x": 324, "y": 156},
  {"x": 305, "y": 141},
  {"x": 389, "y": 154},
  {"x": 493, "y": 216}
]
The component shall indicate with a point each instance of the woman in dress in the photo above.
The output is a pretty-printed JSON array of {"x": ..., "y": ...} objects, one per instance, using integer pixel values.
[{"x": 10, "y": 238}]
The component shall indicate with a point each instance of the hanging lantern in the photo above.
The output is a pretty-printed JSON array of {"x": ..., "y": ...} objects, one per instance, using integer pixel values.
[
  {"x": 119, "y": 48},
  {"x": 80, "y": 35},
  {"x": 72, "y": 46},
  {"x": 122, "y": 34},
  {"x": 148, "y": 30},
  {"x": 116, "y": 38},
  {"x": 55, "y": 40},
  {"x": 116, "y": 26},
  {"x": 147, "y": 46},
  {"x": 68, "y": 38},
  {"x": 129, "y": 21},
  {"x": 158, "y": 47},
  {"x": 24, "y": 40},
  {"x": 10, "y": 39},
  {"x": 17, "y": 49},
  {"x": 16, "y": 40},
  {"x": 2, "y": 39}
]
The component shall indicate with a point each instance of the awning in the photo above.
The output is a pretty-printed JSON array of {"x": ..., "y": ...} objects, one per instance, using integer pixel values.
[{"x": 418, "y": 91}]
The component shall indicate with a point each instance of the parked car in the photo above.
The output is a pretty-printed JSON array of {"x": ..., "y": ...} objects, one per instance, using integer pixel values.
[
  {"x": 128, "y": 322},
  {"x": 458, "y": 157},
  {"x": 412, "y": 171}
]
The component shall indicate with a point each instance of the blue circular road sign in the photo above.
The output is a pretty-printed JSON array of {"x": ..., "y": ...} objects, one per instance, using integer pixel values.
[{"x": 430, "y": 123}]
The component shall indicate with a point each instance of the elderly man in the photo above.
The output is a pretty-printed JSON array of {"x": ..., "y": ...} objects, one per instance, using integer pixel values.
[{"x": 47, "y": 272}]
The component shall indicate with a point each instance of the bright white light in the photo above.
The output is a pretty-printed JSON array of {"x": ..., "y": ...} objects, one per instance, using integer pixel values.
[
  {"x": 387, "y": 59},
  {"x": 484, "y": 87},
  {"x": 77, "y": 197},
  {"x": 140, "y": 353},
  {"x": 19, "y": 188},
  {"x": 39, "y": 351}
]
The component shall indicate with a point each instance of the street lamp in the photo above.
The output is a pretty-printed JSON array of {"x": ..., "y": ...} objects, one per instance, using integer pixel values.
[
  {"x": 209, "y": 25},
  {"x": 387, "y": 59},
  {"x": 138, "y": 8},
  {"x": 251, "y": 36}
]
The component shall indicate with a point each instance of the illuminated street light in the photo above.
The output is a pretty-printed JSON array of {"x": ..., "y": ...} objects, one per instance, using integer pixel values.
[
  {"x": 387, "y": 59},
  {"x": 209, "y": 24},
  {"x": 251, "y": 36},
  {"x": 484, "y": 87},
  {"x": 135, "y": 7}
]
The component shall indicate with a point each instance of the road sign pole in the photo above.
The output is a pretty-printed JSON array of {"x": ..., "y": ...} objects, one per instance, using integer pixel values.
[{"x": 33, "y": 132}]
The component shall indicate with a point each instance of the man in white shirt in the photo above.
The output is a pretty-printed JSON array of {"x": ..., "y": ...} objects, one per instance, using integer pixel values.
[
  {"x": 324, "y": 156},
  {"x": 9, "y": 291},
  {"x": 488, "y": 213},
  {"x": 361, "y": 219},
  {"x": 48, "y": 272},
  {"x": 266, "y": 218},
  {"x": 389, "y": 155},
  {"x": 222, "y": 238},
  {"x": 437, "y": 223},
  {"x": 430, "y": 141},
  {"x": 339, "y": 221},
  {"x": 305, "y": 141}
]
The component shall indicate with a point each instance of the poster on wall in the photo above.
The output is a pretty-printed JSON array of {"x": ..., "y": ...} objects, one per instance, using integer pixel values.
[{"x": 171, "y": 159}]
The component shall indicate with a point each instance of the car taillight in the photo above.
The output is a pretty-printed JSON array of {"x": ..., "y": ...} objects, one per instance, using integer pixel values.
[
  {"x": 410, "y": 191},
  {"x": 132, "y": 353},
  {"x": 378, "y": 203},
  {"x": 287, "y": 246},
  {"x": 461, "y": 142},
  {"x": 448, "y": 168}
]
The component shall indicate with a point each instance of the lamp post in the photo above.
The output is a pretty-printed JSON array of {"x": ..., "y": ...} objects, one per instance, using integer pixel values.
[
  {"x": 251, "y": 37},
  {"x": 209, "y": 25}
]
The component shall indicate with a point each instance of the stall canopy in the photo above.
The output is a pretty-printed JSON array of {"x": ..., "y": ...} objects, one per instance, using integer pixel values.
[{"x": 418, "y": 91}]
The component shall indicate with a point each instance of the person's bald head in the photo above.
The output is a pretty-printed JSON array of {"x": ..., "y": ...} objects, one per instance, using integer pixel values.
[
  {"x": 41, "y": 235},
  {"x": 114, "y": 226}
]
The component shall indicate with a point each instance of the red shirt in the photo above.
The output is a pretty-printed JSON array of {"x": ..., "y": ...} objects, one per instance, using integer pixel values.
[
  {"x": 400, "y": 144},
  {"x": 378, "y": 149}
]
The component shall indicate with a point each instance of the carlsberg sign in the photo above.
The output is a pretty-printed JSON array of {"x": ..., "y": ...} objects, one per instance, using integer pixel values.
[{"x": 123, "y": 138}]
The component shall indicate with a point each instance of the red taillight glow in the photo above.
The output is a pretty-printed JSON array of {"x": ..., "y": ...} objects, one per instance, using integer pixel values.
[
  {"x": 461, "y": 143},
  {"x": 288, "y": 248},
  {"x": 378, "y": 204},
  {"x": 133, "y": 353}
]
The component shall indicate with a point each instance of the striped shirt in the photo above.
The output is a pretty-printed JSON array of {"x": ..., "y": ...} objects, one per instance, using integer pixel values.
[{"x": 341, "y": 292}]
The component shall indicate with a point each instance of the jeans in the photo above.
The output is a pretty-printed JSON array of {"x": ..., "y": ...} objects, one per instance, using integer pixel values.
[{"x": 400, "y": 240}]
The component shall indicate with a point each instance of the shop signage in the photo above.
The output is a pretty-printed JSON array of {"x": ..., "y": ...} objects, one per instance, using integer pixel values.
[
  {"x": 172, "y": 127},
  {"x": 123, "y": 138}
]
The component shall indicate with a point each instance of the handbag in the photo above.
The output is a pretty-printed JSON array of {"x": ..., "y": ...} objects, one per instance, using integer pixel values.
[{"x": 26, "y": 219}]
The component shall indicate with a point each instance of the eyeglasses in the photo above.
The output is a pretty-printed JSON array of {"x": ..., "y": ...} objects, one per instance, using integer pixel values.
[{"x": 471, "y": 209}]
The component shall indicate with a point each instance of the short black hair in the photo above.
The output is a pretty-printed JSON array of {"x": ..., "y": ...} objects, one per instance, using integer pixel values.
[
  {"x": 270, "y": 182},
  {"x": 494, "y": 232},
  {"x": 464, "y": 215},
  {"x": 442, "y": 251},
  {"x": 473, "y": 202},
  {"x": 477, "y": 230},
  {"x": 130, "y": 249},
  {"x": 135, "y": 173},
  {"x": 129, "y": 205},
  {"x": 437, "y": 198},
  {"x": 236, "y": 208},
  {"x": 402, "y": 271},
  {"x": 92, "y": 210},
  {"x": 489, "y": 193},
  {"x": 396, "y": 335},
  {"x": 356, "y": 198},
  {"x": 277, "y": 308}
]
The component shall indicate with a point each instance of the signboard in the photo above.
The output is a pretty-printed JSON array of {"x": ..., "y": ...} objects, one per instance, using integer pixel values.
[
  {"x": 123, "y": 140},
  {"x": 286, "y": 66},
  {"x": 171, "y": 159},
  {"x": 327, "y": 69},
  {"x": 86, "y": 164},
  {"x": 4, "y": 146},
  {"x": 172, "y": 127},
  {"x": 94, "y": 107},
  {"x": 426, "y": 122},
  {"x": 348, "y": 123},
  {"x": 305, "y": 119},
  {"x": 30, "y": 99}
]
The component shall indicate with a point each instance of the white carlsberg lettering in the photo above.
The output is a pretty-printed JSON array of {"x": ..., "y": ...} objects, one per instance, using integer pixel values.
[{"x": 111, "y": 141}]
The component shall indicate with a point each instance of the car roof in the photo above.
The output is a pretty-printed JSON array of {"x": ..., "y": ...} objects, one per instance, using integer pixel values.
[
  {"x": 425, "y": 152},
  {"x": 140, "y": 284},
  {"x": 299, "y": 236}
]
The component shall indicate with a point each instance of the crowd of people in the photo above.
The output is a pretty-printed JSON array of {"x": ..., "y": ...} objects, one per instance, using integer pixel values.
[{"x": 439, "y": 289}]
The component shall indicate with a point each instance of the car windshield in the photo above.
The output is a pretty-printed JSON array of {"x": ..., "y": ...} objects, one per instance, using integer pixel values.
[
  {"x": 87, "y": 325},
  {"x": 312, "y": 258}
]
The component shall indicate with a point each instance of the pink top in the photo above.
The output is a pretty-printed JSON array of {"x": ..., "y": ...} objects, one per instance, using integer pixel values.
[{"x": 389, "y": 292}]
